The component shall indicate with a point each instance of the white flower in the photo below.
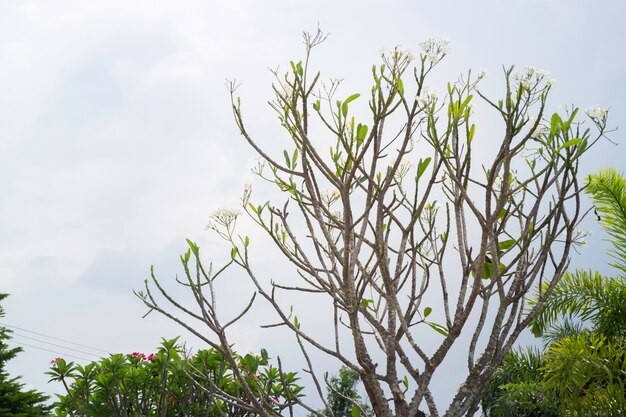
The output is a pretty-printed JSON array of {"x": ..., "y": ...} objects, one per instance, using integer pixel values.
[
  {"x": 540, "y": 130},
  {"x": 434, "y": 206},
  {"x": 530, "y": 77},
  {"x": 225, "y": 215},
  {"x": 329, "y": 197},
  {"x": 336, "y": 80},
  {"x": 426, "y": 97},
  {"x": 435, "y": 48},
  {"x": 538, "y": 73},
  {"x": 481, "y": 74},
  {"x": 596, "y": 112},
  {"x": 550, "y": 82},
  {"x": 528, "y": 83},
  {"x": 404, "y": 167},
  {"x": 580, "y": 237}
]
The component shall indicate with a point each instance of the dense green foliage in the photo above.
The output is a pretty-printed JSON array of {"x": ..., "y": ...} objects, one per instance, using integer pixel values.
[
  {"x": 582, "y": 370},
  {"x": 171, "y": 383},
  {"x": 14, "y": 400},
  {"x": 343, "y": 398}
]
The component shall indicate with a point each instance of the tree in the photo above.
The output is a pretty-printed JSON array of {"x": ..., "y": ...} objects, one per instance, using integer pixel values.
[
  {"x": 362, "y": 226},
  {"x": 581, "y": 372},
  {"x": 170, "y": 382},
  {"x": 14, "y": 400},
  {"x": 342, "y": 394}
]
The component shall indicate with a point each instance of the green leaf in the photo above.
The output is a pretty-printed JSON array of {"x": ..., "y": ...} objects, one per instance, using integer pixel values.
[
  {"x": 569, "y": 143},
  {"x": 487, "y": 269},
  {"x": 405, "y": 382},
  {"x": 194, "y": 248},
  {"x": 506, "y": 244},
  {"x": 344, "y": 106},
  {"x": 251, "y": 363},
  {"x": 438, "y": 328},
  {"x": 246, "y": 241},
  {"x": 466, "y": 102},
  {"x": 427, "y": 311},
  {"x": 294, "y": 158},
  {"x": 421, "y": 166},
  {"x": 233, "y": 252},
  {"x": 287, "y": 159},
  {"x": 355, "y": 411},
  {"x": 366, "y": 302},
  {"x": 470, "y": 135},
  {"x": 400, "y": 86},
  {"x": 361, "y": 133},
  {"x": 555, "y": 123}
]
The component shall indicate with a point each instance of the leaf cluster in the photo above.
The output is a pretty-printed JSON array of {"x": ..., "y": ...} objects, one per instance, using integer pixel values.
[{"x": 170, "y": 382}]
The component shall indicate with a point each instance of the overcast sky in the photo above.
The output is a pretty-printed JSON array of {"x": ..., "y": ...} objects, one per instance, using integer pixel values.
[{"x": 117, "y": 142}]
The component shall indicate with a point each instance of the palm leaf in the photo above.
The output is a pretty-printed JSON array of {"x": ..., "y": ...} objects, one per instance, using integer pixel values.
[
  {"x": 608, "y": 191},
  {"x": 588, "y": 296}
]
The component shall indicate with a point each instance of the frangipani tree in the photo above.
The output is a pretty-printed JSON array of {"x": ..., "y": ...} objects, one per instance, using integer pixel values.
[{"x": 400, "y": 222}]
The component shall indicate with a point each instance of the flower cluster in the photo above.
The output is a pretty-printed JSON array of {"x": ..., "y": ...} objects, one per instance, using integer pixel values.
[
  {"x": 55, "y": 360},
  {"x": 531, "y": 77},
  {"x": 329, "y": 197},
  {"x": 596, "y": 112},
  {"x": 435, "y": 49},
  {"x": 426, "y": 97},
  {"x": 403, "y": 168},
  {"x": 225, "y": 217},
  {"x": 150, "y": 358},
  {"x": 138, "y": 354},
  {"x": 580, "y": 237},
  {"x": 540, "y": 130}
]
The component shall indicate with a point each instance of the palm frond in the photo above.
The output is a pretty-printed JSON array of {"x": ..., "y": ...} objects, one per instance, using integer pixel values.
[
  {"x": 608, "y": 191},
  {"x": 561, "y": 330},
  {"x": 516, "y": 386},
  {"x": 585, "y": 295}
]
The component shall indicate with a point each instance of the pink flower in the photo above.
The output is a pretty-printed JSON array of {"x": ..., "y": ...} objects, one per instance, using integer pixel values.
[
  {"x": 138, "y": 354},
  {"x": 55, "y": 360},
  {"x": 152, "y": 357}
]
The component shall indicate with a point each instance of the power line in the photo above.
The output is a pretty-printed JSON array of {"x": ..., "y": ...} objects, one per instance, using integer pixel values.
[
  {"x": 55, "y": 338},
  {"x": 53, "y": 344},
  {"x": 48, "y": 350}
]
